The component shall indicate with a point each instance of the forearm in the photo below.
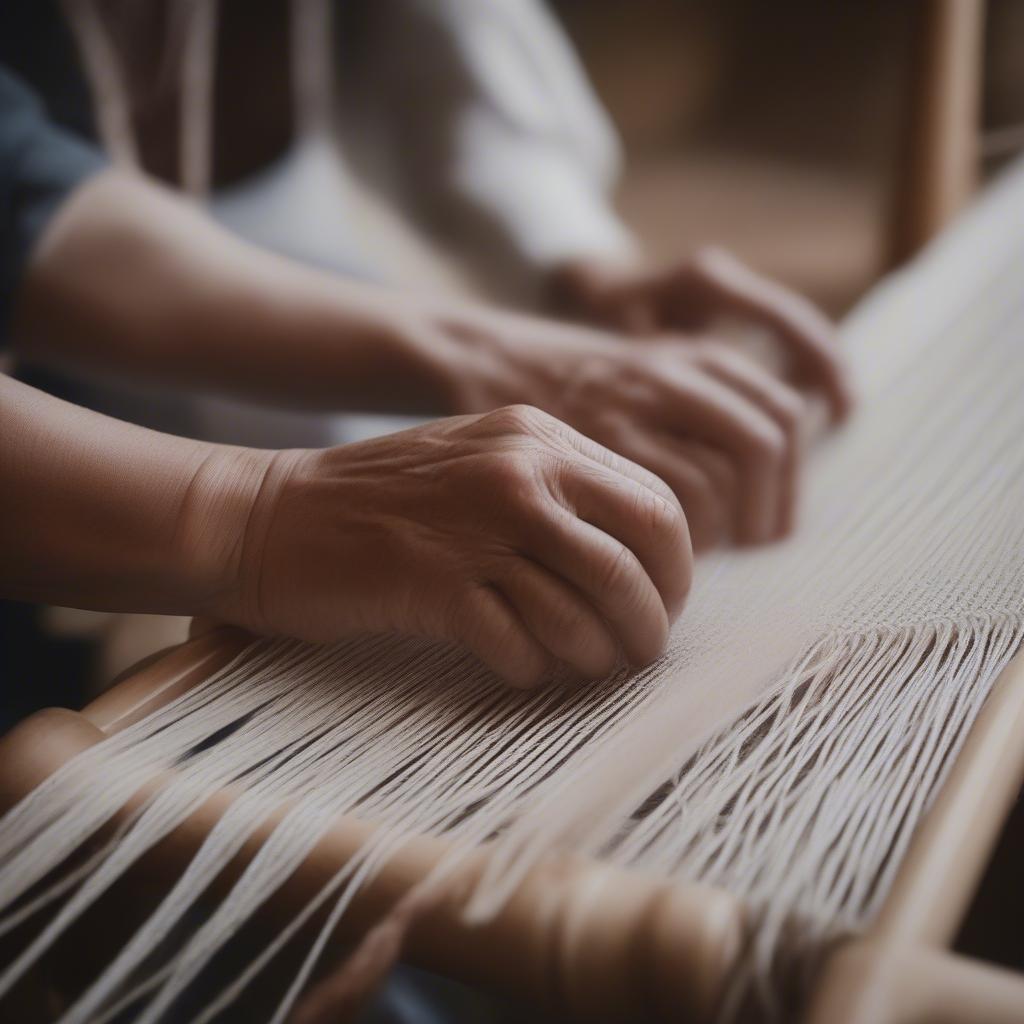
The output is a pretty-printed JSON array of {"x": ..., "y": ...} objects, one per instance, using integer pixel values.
[
  {"x": 101, "y": 514},
  {"x": 131, "y": 279}
]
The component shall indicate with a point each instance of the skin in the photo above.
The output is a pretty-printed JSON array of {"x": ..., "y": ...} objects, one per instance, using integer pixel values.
[
  {"x": 509, "y": 533},
  {"x": 532, "y": 534},
  {"x": 721, "y": 432},
  {"x": 690, "y": 295}
]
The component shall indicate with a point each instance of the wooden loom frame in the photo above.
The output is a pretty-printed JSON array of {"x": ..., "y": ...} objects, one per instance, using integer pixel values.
[{"x": 593, "y": 942}]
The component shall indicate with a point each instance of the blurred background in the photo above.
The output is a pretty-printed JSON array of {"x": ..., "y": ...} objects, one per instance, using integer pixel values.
[{"x": 783, "y": 130}]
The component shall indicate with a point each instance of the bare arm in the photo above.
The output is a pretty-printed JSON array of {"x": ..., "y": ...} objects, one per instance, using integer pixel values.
[
  {"x": 508, "y": 533},
  {"x": 94, "y": 510},
  {"x": 131, "y": 278}
]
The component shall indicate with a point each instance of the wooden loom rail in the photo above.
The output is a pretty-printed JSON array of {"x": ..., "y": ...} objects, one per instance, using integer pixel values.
[{"x": 578, "y": 938}]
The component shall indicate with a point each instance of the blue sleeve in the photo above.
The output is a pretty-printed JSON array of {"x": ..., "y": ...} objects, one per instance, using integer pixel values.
[{"x": 40, "y": 164}]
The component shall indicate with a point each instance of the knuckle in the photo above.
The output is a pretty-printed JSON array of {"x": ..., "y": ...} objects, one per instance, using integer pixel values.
[
  {"x": 514, "y": 477},
  {"x": 663, "y": 518},
  {"x": 578, "y": 641},
  {"x": 511, "y": 470},
  {"x": 583, "y": 639},
  {"x": 620, "y": 580},
  {"x": 660, "y": 488},
  {"x": 516, "y": 419}
]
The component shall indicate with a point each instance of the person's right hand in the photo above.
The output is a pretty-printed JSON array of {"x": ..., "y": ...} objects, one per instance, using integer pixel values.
[{"x": 509, "y": 533}]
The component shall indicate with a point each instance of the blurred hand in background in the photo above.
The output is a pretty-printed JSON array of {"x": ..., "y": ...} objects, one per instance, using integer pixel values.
[{"x": 692, "y": 297}]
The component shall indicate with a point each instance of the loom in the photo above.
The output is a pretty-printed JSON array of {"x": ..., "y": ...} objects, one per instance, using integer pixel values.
[{"x": 787, "y": 815}]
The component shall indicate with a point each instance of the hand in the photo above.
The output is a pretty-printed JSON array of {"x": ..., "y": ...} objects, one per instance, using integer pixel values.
[
  {"x": 724, "y": 434},
  {"x": 691, "y": 295},
  {"x": 509, "y": 533}
]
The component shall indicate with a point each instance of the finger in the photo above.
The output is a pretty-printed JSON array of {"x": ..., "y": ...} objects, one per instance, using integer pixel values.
[
  {"x": 707, "y": 410},
  {"x": 618, "y": 427},
  {"x": 720, "y": 471},
  {"x": 729, "y": 286},
  {"x": 777, "y": 400},
  {"x": 492, "y": 629},
  {"x": 607, "y": 574},
  {"x": 652, "y": 527},
  {"x": 688, "y": 467},
  {"x": 545, "y": 425},
  {"x": 561, "y": 619},
  {"x": 708, "y": 504}
]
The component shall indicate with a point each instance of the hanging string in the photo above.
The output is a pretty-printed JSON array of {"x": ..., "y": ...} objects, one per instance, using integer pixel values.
[
  {"x": 103, "y": 70},
  {"x": 198, "y": 67}
]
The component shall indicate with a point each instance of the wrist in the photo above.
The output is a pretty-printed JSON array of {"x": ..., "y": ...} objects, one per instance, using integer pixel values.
[
  {"x": 366, "y": 348},
  {"x": 222, "y": 508},
  {"x": 509, "y": 359},
  {"x": 575, "y": 285},
  {"x": 610, "y": 293},
  {"x": 487, "y": 365}
]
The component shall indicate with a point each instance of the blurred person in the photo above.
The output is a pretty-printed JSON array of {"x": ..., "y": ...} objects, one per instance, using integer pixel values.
[
  {"x": 503, "y": 529},
  {"x": 475, "y": 121}
]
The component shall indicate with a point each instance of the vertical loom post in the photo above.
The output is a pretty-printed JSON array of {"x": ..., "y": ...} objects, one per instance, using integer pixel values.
[
  {"x": 879, "y": 983},
  {"x": 938, "y": 171},
  {"x": 902, "y": 969}
]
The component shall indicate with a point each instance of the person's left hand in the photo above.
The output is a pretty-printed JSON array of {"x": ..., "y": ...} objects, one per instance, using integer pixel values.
[{"x": 691, "y": 295}]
